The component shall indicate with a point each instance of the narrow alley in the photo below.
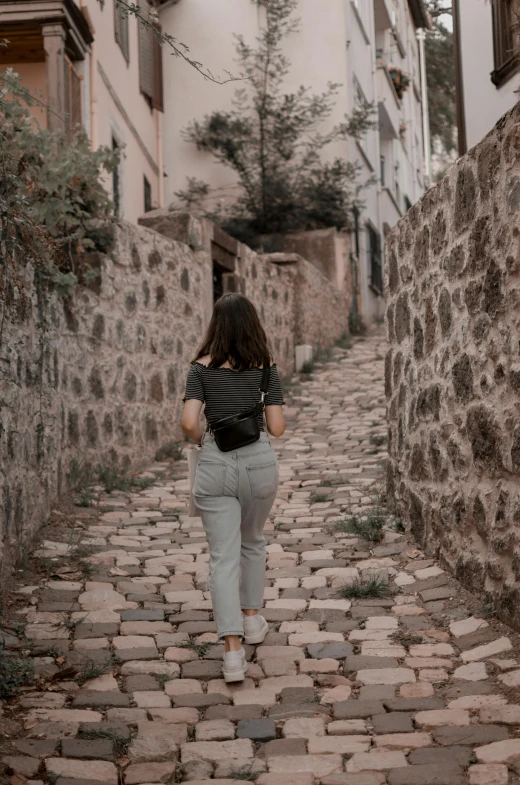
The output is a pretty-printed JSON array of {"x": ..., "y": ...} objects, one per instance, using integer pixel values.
[{"x": 378, "y": 669}]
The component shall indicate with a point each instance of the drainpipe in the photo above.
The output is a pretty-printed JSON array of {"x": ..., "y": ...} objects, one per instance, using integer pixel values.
[
  {"x": 461, "y": 117},
  {"x": 421, "y": 36},
  {"x": 354, "y": 261},
  {"x": 94, "y": 136},
  {"x": 159, "y": 138},
  {"x": 94, "y": 139}
]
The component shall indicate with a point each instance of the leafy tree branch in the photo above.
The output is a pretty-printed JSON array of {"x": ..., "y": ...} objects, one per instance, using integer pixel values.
[
  {"x": 177, "y": 49},
  {"x": 274, "y": 141}
]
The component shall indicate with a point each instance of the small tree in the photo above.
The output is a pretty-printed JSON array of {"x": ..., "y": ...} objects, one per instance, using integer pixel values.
[
  {"x": 440, "y": 75},
  {"x": 274, "y": 141}
]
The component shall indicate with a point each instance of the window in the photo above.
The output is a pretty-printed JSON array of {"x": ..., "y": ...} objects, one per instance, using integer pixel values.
[
  {"x": 121, "y": 30},
  {"x": 147, "y": 195},
  {"x": 150, "y": 59},
  {"x": 116, "y": 183},
  {"x": 382, "y": 171},
  {"x": 407, "y": 204},
  {"x": 506, "y": 16},
  {"x": 374, "y": 259}
]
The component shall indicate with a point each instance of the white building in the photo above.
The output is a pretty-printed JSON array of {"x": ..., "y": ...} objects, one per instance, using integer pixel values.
[
  {"x": 352, "y": 42},
  {"x": 488, "y": 79},
  {"x": 97, "y": 67}
]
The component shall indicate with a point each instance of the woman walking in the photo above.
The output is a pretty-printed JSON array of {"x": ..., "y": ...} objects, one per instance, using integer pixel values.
[{"x": 235, "y": 486}]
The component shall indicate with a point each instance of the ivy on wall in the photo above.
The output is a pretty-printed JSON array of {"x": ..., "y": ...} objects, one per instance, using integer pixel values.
[{"x": 52, "y": 208}]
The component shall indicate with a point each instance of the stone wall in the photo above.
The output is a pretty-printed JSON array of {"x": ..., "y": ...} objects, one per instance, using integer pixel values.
[
  {"x": 114, "y": 368},
  {"x": 116, "y": 356},
  {"x": 452, "y": 376}
]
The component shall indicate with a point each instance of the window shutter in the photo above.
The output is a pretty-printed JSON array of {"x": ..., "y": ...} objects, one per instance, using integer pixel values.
[
  {"x": 505, "y": 39},
  {"x": 121, "y": 31},
  {"x": 157, "y": 101},
  {"x": 146, "y": 55}
]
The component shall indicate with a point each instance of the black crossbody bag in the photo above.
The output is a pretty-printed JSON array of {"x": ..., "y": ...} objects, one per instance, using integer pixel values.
[{"x": 241, "y": 429}]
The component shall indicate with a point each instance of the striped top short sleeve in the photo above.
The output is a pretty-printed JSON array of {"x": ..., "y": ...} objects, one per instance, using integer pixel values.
[{"x": 226, "y": 392}]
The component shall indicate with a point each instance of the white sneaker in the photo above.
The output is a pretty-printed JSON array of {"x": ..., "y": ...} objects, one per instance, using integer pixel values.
[
  {"x": 234, "y": 666},
  {"x": 255, "y": 628}
]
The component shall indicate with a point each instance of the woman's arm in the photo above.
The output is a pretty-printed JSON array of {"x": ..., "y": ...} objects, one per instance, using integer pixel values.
[
  {"x": 275, "y": 420},
  {"x": 191, "y": 419}
]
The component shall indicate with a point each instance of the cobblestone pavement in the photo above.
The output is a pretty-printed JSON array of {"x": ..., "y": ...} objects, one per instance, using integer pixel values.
[{"x": 410, "y": 688}]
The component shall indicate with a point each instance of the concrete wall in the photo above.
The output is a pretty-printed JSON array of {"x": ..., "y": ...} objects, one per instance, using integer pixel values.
[
  {"x": 453, "y": 368},
  {"x": 329, "y": 251},
  {"x": 476, "y": 43},
  {"x": 115, "y": 357}
]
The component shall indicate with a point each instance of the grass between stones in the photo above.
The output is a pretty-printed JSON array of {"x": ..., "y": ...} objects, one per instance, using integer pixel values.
[
  {"x": 200, "y": 648},
  {"x": 120, "y": 744},
  {"x": 92, "y": 670},
  {"x": 406, "y": 639},
  {"x": 373, "y": 587},
  {"x": 169, "y": 451},
  {"x": 319, "y": 497},
  {"x": 82, "y": 475},
  {"x": 244, "y": 774},
  {"x": 367, "y": 527},
  {"x": 14, "y": 674}
]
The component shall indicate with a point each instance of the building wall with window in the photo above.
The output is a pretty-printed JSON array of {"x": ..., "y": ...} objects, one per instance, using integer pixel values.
[
  {"x": 93, "y": 67},
  {"x": 489, "y": 78},
  {"x": 125, "y": 115},
  {"x": 353, "y": 44}
]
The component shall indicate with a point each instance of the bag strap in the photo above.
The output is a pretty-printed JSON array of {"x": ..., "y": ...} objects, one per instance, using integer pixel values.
[{"x": 264, "y": 385}]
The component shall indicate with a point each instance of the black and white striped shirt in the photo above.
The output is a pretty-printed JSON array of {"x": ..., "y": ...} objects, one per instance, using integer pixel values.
[{"x": 226, "y": 392}]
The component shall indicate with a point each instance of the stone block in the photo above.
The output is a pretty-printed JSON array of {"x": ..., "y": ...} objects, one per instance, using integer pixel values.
[
  {"x": 101, "y": 749},
  {"x": 259, "y": 730},
  {"x": 100, "y": 771},
  {"x": 357, "y": 709},
  {"x": 150, "y": 772},
  {"x": 427, "y": 775}
]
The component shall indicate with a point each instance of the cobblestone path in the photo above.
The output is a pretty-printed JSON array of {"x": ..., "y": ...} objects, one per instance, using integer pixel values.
[{"x": 408, "y": 688}]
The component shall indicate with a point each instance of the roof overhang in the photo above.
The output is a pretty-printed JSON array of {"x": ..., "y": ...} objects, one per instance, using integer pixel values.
[{"x": 21, "y": 19}]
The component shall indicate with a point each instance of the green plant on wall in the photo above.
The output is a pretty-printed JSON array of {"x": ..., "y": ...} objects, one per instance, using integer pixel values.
[{"x": 52, "y": 201}]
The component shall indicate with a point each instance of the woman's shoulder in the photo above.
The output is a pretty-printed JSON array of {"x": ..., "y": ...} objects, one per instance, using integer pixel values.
[{"x": 205, "y": 361}]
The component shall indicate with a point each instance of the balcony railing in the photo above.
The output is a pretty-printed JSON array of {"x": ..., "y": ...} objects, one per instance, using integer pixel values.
[{"x": 389, "y": 104}]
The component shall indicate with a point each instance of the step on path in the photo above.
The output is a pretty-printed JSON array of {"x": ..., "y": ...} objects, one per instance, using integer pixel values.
[{"x": 408, "y": 689}]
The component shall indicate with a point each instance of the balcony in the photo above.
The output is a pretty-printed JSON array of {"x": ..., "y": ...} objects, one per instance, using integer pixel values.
[
  {"x": 389, "y": 105},
  {"x": 390, "y": 212},
  {"x": 55, "y": 34}
]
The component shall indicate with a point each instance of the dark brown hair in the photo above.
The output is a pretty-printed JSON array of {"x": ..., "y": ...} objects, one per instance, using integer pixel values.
[{"x": 235, "y": 334}]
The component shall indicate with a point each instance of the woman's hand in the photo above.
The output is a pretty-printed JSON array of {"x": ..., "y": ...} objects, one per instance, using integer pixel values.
[
  {"x": 275, "y": 420},
  {"x": 191, "y": 420}
]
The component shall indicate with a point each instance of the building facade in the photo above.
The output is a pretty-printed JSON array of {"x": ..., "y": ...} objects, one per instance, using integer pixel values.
[
  {"x": 487, "y": 65},
  {"x": 369, "y": 47},
  {"x": 94, "y": 66}
]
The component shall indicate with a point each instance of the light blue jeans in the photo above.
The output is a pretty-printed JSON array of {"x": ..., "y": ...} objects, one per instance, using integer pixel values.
[{"x": 234, "y": 492}]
